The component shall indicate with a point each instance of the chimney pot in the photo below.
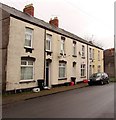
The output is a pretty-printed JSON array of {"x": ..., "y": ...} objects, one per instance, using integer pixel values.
[
  {"x": 54, "y": 22},
  {"x": 29, "y": 9}
]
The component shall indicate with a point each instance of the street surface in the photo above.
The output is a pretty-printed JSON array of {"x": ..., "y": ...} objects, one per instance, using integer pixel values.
[{"x": 88, "y": 102}]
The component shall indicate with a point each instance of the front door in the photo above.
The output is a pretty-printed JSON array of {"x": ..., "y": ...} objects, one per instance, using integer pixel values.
[{"x": 47, "y": 73}]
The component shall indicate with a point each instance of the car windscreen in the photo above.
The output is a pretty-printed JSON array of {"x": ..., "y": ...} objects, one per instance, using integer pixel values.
[{"x": 96, "y": 75}]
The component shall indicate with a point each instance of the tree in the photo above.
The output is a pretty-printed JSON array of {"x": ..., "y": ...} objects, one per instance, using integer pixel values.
[{"x": 93, "y": 41}]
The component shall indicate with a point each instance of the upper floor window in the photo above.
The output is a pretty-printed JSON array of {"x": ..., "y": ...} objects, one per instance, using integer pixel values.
[
  {"x": 90, "y": 53},
  {"x": 63, "y": 45},
  {"x": 98, "y": 55},
  {"x": 74, "y": 48},
  {"x": 48, "y": 42},
  {"x": 83, "y": 51},
  {"x": 93, "y": 54},
  {"x": 28, "y": 37}
]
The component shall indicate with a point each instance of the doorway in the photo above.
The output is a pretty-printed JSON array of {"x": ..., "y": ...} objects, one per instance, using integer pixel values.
[{"x": 47, "y": 82}]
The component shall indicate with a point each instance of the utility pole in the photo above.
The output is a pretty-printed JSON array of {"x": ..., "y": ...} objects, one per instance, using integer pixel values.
[
  {"x": 115, "y": 56},
  {"x": 115, "y": 38}
]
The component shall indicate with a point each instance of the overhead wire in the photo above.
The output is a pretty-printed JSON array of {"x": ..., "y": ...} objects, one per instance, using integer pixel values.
[{"x": 84, "y": 12}]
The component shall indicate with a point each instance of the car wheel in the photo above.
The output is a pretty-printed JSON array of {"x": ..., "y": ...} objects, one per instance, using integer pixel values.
[
  {"x": 90, "y": 84},
  {"x": 101, "y": 82}
]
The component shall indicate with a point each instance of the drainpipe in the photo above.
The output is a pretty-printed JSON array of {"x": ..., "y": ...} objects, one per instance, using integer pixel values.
[
  {"x": 44, "y": 55},
  {"x": 87, "y": 62},
  {"x": 115, "y": 56},
  {"x": 115, "y": 39}
]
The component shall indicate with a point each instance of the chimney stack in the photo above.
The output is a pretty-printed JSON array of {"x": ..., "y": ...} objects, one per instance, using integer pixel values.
[
  {"x": 54, "y": 22},
  {"x": 29, "y": 9}
]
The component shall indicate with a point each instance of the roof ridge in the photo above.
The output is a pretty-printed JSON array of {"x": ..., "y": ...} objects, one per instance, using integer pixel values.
[{"x": 19, "y": 14}]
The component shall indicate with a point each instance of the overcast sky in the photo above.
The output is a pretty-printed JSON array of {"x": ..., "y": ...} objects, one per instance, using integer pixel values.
[{"x": 89, "y": 19}]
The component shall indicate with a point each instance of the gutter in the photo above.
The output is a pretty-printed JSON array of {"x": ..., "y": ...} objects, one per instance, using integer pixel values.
[{"x": 53, "y": 29}]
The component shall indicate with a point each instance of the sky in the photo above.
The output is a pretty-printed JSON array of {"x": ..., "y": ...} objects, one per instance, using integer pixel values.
[{"x": 92, "y": 20}]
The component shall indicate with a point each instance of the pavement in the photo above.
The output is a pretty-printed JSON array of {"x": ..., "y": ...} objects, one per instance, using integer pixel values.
[
  {"x": 12, "y": 98},
  {"x": 95, "y": 101}
]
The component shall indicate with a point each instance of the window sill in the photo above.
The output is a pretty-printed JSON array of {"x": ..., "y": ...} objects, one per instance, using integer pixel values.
[
  {"x": 83, "y": 77},
  {"x": 49, "y": 52},
  {"x": 28, "y": 49},
  {"x": 83, "y": 57},
  {"x": 73, "y": 77},
  {"x": 63, "y": 54},
  {"x": 74, "y": 55},
  {"x": 26, "y": 81},
  {"x": 62, "y": 79}
]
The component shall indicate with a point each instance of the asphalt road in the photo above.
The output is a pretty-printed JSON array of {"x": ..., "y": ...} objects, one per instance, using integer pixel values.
[{"x": 89, "y": 102}]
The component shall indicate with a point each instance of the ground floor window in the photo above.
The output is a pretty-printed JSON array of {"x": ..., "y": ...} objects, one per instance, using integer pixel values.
[
  {"x": 62, "y": 70},
  {"x": 27, "y": 69},
  {"x": 90, "y": 70},
  {"x": 83, "y": 70}
]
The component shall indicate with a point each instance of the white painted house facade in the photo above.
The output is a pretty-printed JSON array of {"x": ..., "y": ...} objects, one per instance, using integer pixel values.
[{"x": 36, "y": 52}]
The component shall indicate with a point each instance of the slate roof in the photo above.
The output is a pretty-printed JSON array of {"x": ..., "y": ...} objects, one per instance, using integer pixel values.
[{"x": 26, "y": 17}]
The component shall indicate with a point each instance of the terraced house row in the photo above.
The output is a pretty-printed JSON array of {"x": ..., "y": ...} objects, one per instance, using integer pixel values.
[{"x": 34, "y": 52}]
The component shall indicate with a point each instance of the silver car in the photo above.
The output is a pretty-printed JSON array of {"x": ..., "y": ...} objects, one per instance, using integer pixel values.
[{"x": 100, "y": 78}]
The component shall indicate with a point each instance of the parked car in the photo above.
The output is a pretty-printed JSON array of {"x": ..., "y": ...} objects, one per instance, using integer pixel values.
[{"x": 100, "y": 78}]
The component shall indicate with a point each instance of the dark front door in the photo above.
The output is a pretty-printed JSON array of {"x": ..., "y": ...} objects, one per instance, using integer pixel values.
[{"x": 47, "y": 73}]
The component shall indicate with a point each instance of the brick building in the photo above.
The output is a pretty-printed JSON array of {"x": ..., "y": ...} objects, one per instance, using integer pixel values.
[{"x": 109, "y": 62}]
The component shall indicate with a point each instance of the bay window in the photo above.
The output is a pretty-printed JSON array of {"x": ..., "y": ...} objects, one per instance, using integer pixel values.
[
  {"x": 27, "y": 69},
  {"x": 83, "y": 70},
  {"x": 62, "y": 70}
]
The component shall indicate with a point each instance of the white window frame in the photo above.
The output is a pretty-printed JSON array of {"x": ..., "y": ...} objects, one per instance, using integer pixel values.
[
  {"x": 27, "y": 33},
  {"x": 48, "y": 42},
  {"x": 90, "y": 53},
  {"x": 62, "y": 66},
  {"x": 62, "y": 47},
  {"x": 90, "y": 70},
  {"x": 83, "y": 70},
  {"x": 93, "y": 54},
  {"x": 83, "y": 51},
  {"x": 27, "y": 65},
  {"x": 74, "y": 49},
  {"x": 98, "y": 55}
]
